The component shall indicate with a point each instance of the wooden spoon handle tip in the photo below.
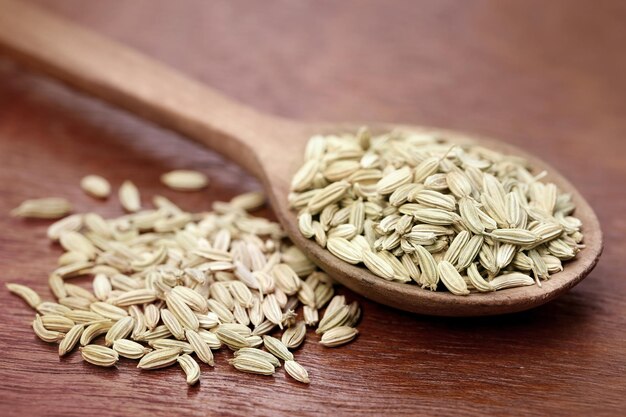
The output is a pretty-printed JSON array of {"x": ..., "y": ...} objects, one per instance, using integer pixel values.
[{"x": 121, "y": 76}]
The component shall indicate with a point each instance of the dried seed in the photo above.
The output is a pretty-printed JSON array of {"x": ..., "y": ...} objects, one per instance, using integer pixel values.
[
  {"x": 344, "y": 250},
  {"x": 286, "y": 278},
  {"x": 75, "y": 242},
  {"x": 153, "y": 315},
  {"x": 94, "y": 330},
  {"x": 338, "y": 336},
  {"x": 185, "y": 180},
  {"x": 220, "y": 293},
  {"x": 75, "y": 303},
  {"x": 231, "y": 338},
  {"x": 335, "y": 304},
  {"x": 338, "y": 170},
  {"x": 435, "y": 199},
  {"x": 210, "y": 339},
  {"x": 469, "y": 252},
  {"x": 75, "y": 291},
  {"x": 222, "y": 311},
  {"x": 392, "y": 181},
  {"x": 170, "y": 343},
  {"x": 176, "y": 304},
  {"x": 252, "y": 365},
  {"x": 470, "y": 216},
  {"x": 303, "y": 178},
  {"x": 57, "y": 323},
  {"x": 130, "y": 349},
  {"x": 323, "y": 293},
  {"x": 425, "y": 169},
  {"x": 241, "y": 315},
  {"x": 140, "y": 321},
  {"x": 159, "y": 358},
  {"x": 192, "y": 298},
  {"x": 435, "y": 216},
  {"x": 200, "y": 347},
  {"x": 190, "y": 367},
  {"x": 99, "y": 355},
  {"x": 430, "y": 275},
  {"x": 310, "y": 315},
  {"x": 248, "y": 201},
  {"x": 237, "y": 328},
  {"x": 108, "y": 311},
  {"x": 354, "y": 314},
  {"x": 334, "y": 318},
  {"x": 277, "y": 348},
  {"x": 459, "y": 184},
  {"x": 101, "y": 287},
  {"x": 328, "y": 195},
  {"x": 297, "y": 372},
  {"x": 258, "y": 353},
  {"x": 457, "y": 245},
  {"x": 451, "y": 278},
  {"x": 294, "y": 335},
  {"x": 159, "y": 332},
  {"x": 25, "y": 293},
  {"x": 272, "y": 310},
  {"x": 119, "y": 330},
  {"x": 74, "y": 269},
  {"x": 129, "y": 197},
  {"x": 84, "y": 317},
  {"x": 514, "y": 236},
  {"x": 241, "y": 293},
  {"x": 539, "y": 267},
  {"x": 306, "y": 295},
  {"x": 44, "y": 334},
  {"x": 377, "y": 265},
  {"x": 514, "y": 279},
  {"x": 173, "y": 325},
  {"x": 256, "y": 312},
  {"x": 305, "y": 224},
  {"x": 504, "y": 255},
  {"x": 43, "y": 208},
  {"x": 96, "y": 186},
  {"x": 477, "y": 280},
  {"x": 66, "y": 224}
]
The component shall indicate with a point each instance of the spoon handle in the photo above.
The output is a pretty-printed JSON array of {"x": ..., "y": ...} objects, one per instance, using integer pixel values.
[{"x": 137, "y": 83}]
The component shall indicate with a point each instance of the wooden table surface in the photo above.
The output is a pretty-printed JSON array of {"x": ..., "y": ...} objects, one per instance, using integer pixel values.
[{"x": 548, "y": 76}]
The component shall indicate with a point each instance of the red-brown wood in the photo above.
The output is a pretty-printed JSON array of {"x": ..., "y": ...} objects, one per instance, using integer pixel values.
[
  {"x": 547, "y": 81},
  {"x": 267, "y": 146}
]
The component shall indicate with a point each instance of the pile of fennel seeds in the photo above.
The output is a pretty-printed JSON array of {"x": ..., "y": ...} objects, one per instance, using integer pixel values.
[
  {"x": 416, "y": 207},
  {"x": 169, "y": 287}
]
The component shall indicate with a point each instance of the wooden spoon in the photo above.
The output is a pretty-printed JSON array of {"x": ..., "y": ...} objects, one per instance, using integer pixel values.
[{"x": 270, "y": 147}]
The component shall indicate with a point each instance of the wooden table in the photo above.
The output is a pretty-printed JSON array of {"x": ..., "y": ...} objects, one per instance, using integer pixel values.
[{"x": 548, "y": 76}]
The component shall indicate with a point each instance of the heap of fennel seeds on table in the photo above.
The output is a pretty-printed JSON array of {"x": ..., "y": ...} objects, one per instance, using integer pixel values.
[
  {"x": 168, "y": 284},
  {"x": 416, "y": 207}
]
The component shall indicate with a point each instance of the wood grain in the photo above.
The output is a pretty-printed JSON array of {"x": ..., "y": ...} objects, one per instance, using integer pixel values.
[
  {"x": 550, "y": 81},
  {"x": 267, "y": 146}
]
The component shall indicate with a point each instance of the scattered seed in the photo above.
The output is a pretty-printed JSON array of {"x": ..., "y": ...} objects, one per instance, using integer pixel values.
[
  {"x": 25, "y": 293},
  {"x": 190, "y": 367},
  {"x": 277, "y": 348},
  {"x": 43, "y": 208},
  {"x": 99, "y": 355},
  {"x": 185, "y": 180},
  {"x": 129, "y": 197},
  {"x": 297, "y": 372},
  {"x": 96, "y": 186},
  {"x": 338, "y": 336},
  {"x": 159, "y": 358}
]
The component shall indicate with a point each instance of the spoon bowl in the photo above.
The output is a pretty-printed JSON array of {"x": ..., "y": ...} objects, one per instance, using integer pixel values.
[
  {"x": 271, "y": 148},
  {"x": 411, "y": 297}
]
